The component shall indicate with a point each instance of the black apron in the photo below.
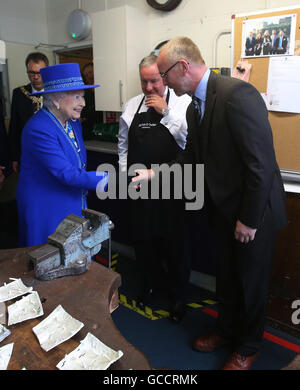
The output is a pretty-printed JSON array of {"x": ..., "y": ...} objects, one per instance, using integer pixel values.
[{"x": 150, "y": 142}]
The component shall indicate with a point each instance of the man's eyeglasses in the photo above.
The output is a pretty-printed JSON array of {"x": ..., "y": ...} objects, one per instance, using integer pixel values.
[
  {"x": 32, "y": 73},
  {"x": 164, "y": 74}
]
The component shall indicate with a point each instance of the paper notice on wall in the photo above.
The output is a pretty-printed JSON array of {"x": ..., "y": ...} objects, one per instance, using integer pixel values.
[
  {"x": 265, "y": 96},
  {"x": 283, "y": 84},
  {"x": 242, "y": 70}
]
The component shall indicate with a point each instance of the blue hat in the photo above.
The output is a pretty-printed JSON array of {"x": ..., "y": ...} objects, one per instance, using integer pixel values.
[{"x": 62, "y": 77}]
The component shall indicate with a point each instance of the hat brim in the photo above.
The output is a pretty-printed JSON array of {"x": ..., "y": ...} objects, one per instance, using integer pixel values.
[{"x": 75, "y": 88}]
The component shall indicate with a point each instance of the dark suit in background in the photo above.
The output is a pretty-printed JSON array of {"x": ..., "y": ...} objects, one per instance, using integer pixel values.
[
  {"x": 8, "y": 217},
  {"x": 90, "y": 117},
  {"x": 281, "y": 49},
  {"x": 4, "y": 149},
  {"x": 273, "y": 40},
  {"x": 22, "y": 108},
  {"x": 250, "y": 43}
]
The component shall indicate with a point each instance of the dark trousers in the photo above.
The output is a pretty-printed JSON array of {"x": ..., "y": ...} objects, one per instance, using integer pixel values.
[
  {"x": 243, "y": 272},
  {"x": 164, "y": 265}
]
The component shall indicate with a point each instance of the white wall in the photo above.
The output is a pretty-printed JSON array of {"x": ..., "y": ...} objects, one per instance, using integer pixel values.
[
  {"x": 200, "y": 20},
  {"x": 23, "y": 25},
  {"x": 31, "y": 22},
  {"x": 23, "y": 21},
  {"x": 44, "y": 21},
  {"x": 59, "y": 10},
  {"x": 203, "y": 20},
  {"x": 16, "y": 55}
]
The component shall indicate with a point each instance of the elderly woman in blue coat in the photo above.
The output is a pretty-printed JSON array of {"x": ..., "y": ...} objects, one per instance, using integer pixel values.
[{"x": 53, "y": 180}]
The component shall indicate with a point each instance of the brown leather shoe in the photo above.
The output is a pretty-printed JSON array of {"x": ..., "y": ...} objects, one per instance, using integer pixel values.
[
  {"x": 209, "y": 342},
  {"x": 239, "y": 362}
]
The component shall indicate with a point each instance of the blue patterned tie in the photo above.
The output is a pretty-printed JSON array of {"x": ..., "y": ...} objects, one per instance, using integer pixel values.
[{"x": 197, "y": 107}]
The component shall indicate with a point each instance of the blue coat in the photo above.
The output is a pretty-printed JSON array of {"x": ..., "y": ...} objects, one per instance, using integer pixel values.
[{"x": 53, "y": 182}]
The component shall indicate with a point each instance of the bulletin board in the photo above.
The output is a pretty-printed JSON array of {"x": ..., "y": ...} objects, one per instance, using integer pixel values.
[{"x": 285, "y": 126}]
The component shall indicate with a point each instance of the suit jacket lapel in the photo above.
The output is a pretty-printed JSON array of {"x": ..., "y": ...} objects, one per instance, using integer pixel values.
[
  {"x": 28, "y": 87},
  {"x": 209, "y": 109},
  {"x": 193, "y": 129},
  {"x": 29, "y": 101}
]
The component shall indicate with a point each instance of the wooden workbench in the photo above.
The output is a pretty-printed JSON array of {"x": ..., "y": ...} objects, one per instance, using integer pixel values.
[{"x": 89, "y": 297}]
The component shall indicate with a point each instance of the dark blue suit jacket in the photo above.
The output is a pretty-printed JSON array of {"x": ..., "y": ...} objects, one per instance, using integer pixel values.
[
  {"x": 237, "y": 149},
  {"x": 22, "y": 108}
]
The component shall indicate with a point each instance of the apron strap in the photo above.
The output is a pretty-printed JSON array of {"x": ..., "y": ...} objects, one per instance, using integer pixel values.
[
  {"x": 168, "y": 96},
  {"x": 139, "y": 107}
]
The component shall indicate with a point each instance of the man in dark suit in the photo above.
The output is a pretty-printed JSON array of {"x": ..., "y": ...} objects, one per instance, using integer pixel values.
[
  {"x": 281, "y": 43},
  {"x": 250, "y": 43},
  {"x": 229, "y": 132},
  {"x": 89, "y": 115},
  {"x": 24, "y": 106},
  {"x": 273, "y": 40}
]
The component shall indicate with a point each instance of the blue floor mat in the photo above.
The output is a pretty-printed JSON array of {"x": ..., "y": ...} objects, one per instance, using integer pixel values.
[{"x": 169, "y": 345}]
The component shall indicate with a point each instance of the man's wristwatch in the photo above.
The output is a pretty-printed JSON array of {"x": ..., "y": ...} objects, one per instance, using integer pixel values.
[{"x": 165, "y": 111}]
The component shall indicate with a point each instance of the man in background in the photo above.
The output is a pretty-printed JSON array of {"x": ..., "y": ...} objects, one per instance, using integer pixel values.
[
  {"x": 4, "y": 149},
  {"x": 88, "y": 73},
  {"x": 8, "y": 217},
  {"x": 24, "y": 106},
  {"x": 89, "y": 115},
  {"x": 281, "y": 43},
  {"x": 250, "y": 43},
  {"x": 273, "y": 40}
]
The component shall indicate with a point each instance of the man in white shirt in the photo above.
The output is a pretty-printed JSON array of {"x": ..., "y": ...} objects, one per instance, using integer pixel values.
[{"x": 153, "y": 130}]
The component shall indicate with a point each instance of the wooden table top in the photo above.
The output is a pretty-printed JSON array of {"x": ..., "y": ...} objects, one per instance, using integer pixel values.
[{"x": 89, "y": 298}]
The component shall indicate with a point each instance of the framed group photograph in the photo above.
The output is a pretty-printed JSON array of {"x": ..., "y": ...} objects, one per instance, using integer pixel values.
[{"x": 269, "y": 36}]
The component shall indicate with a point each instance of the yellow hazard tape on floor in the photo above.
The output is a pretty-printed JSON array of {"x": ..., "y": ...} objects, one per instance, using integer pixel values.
[
  {"x": 148, "y": 312},
  {"x": 114, "y": 261},
  {"x": 210, "y": 302},
  {"x": 160, "y": 313},
  {"x": 194, "y": 305}
]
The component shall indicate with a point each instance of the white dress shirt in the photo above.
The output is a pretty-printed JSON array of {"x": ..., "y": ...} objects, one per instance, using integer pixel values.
[{"x": 175, "y": 122}]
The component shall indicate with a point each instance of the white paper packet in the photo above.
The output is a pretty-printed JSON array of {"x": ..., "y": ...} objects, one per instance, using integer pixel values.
[
  {"x": 5, "y": 355},
  {"x": 58, "y": 327},
  {"x": 25, "y": 309},
  {"x": 91, "y": 354},
  {"x": 13, "y": 290}
]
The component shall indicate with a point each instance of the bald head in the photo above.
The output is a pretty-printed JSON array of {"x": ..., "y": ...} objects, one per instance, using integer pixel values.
[
  {"x": 181, "y": 65},
  {"x": 182, "y": 48}
]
